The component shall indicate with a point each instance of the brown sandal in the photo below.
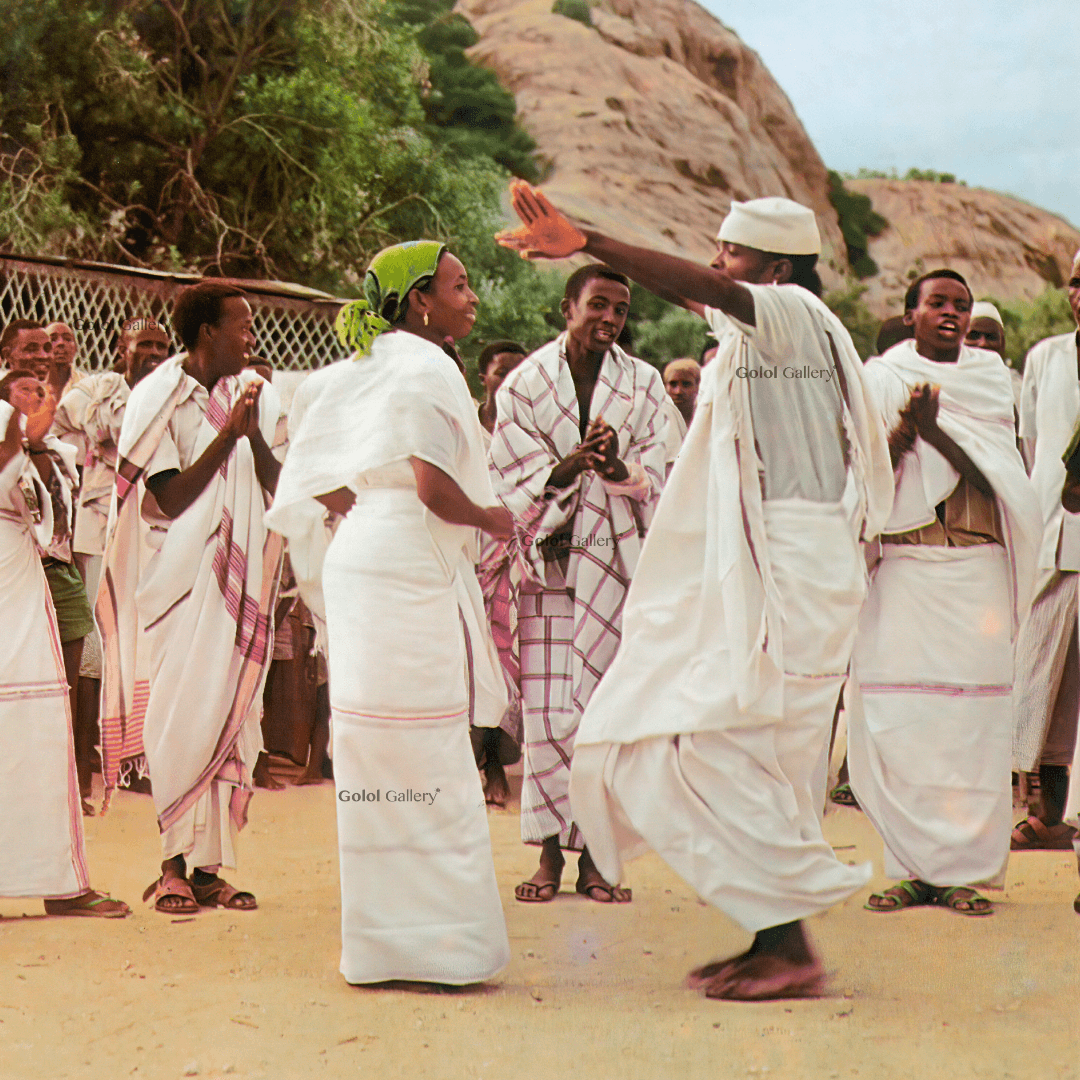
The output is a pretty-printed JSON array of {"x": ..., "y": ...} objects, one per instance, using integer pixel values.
[
  {"x": 219, "y": 893},
  {"x": 1033, "y": 834},
  {"x": 172, "y": 885}
]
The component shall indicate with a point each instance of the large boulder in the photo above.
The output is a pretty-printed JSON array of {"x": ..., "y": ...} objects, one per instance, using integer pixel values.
[
  {"x": 652, "y": 120},
  {"x": 1005, "y": 248}
]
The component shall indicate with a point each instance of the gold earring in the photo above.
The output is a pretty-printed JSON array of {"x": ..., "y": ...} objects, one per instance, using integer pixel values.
[{"x": 425, "y": 318}]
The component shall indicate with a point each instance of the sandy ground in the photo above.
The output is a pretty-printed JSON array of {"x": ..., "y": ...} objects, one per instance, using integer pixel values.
[{"x": 591, "y": 991}]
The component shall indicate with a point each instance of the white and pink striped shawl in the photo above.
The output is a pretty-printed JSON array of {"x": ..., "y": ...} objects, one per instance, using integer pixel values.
[
  {"x": 538, "y": 427},
  {"x": 223, "y": 525}
]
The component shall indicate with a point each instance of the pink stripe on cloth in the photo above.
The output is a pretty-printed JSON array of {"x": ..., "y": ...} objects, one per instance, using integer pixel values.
[
  {"x": 253, "y": 659},
  {"x": 230, "y": 570},
  {"x": 948, "y": 689}
]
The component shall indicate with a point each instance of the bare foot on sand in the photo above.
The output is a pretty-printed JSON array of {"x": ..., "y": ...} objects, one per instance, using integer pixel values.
[{"x": 779, "y": 964}]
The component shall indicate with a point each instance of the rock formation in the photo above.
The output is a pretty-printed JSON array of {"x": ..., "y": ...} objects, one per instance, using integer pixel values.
[
  {"x": 652, "y": 120},
  {"x": 1004, "y": 247}
]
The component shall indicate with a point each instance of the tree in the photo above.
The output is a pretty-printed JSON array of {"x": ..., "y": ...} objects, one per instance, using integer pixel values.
[
  {"x": 858, "y": 221},
  {"x": 466, "y": 109},
  {"x": 273, "y": 138}
]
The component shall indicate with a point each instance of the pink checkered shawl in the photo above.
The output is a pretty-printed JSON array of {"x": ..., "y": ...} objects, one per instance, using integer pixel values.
[
  {"x": 224, "y": 525},
  {"x": 538, "y": 427}
]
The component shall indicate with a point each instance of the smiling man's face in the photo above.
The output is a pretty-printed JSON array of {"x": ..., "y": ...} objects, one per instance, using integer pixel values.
[{"x": 596, "y": 318}]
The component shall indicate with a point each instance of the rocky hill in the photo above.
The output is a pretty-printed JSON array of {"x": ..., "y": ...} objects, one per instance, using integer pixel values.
[
  {"x": 1004, "y": 247},
  {"x": 652, "y": 120}
]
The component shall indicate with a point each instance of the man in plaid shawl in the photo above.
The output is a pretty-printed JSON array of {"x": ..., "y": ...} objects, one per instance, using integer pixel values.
[
  {"x": 578, "y": 458},
  {"x": 197, "y": 432}
]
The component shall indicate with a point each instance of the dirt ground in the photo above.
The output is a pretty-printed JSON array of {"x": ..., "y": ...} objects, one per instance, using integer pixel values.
[{"x": 591, "y": 991}]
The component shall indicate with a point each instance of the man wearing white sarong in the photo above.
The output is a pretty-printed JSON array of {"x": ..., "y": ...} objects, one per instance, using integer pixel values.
[
  {"x": 1047, "y": 697},
  {"x": 198, "y": 430},
  {"x": 89, "y": 417},
  {"x": 707, "y": 738},
  {"x": 929, "y": 702},
  {"x": 579, "y": 457},
  {"x": 41, "y": 838},
  {"x": 391, "y": 440}
]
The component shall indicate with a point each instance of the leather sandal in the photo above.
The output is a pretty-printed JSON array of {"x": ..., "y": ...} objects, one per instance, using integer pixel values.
[
  {"x": 172, "y": 885},
  {"x": 219, "y": 893},
  {"x": 1033, "y": 834}
]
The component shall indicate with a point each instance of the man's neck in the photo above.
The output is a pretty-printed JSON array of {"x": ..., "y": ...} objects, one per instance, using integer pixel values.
[
  {"x": 938, "y": 356},
  {"x": 582, "y": 362},
  {"x": 200, "y": 367}
]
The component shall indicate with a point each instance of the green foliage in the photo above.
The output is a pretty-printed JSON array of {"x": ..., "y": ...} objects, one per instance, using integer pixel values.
[
  {"x": 467, "y": 112},
  {"x": 661, "y": 331},
  {"x": 847, "y": 305},
  {"x": 255, "y": 139},
  {"x": 933, "y": 176},
  {"x": 1029, "y": 321},
  {"x": 573, "y": 9},
  {"x": 912, "y": 174},
  {"x": 858, "y": 221}
]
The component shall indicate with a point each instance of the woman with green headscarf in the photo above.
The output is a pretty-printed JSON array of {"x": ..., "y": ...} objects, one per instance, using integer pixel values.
[{"x": 390, "y": 439}]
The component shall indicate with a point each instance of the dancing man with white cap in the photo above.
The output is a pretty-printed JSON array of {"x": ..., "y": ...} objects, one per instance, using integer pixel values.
[{"x": 707, "y": 739}]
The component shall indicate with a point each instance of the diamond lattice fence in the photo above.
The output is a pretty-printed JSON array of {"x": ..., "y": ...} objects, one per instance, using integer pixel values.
[{"x": 293, "y": 325}]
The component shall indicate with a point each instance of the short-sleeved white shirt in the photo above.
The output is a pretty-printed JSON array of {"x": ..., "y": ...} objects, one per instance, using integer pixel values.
[{"x": 796, "y": 402}]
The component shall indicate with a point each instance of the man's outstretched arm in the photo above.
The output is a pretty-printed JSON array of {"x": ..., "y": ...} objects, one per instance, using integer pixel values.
[
  {"x": 546, "y": 233},
  {"x": 676, "y": 280}
]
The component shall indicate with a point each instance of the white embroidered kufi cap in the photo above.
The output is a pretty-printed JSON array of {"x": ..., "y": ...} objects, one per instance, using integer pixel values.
[
  {"x": 772, "y": 224},
  {"x": 981, "y": 309}
]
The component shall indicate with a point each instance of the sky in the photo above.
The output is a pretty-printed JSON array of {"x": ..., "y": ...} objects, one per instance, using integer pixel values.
[{"x": 986, "y": 89}]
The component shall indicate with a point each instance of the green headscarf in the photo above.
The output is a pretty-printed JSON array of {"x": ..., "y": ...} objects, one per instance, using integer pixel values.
[{"x": 392, "y": 273}]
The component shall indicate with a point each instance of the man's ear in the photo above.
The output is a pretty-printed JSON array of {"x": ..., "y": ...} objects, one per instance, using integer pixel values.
[
  {"x": 909, "y": 317},
  {"x": 782, "y": 271},
  {"x": 564, "y": 308}
]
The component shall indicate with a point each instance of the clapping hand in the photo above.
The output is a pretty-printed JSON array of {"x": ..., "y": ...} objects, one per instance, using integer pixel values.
[
  {"x": 922, "y": 407},
  {"x": 545, "y": 233},
  {"x": 40, "y": 410},
  {"x": 244, "y": 418}
]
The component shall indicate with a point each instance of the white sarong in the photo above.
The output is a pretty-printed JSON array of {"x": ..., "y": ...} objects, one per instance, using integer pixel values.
[
  {"x": 929, "y": 711},
  {"x": 929, "y": 702},
  {"x": 205, "y": 599}
]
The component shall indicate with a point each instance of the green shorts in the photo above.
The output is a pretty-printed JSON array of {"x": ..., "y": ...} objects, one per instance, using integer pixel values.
[{"x": 73, "y": 616}]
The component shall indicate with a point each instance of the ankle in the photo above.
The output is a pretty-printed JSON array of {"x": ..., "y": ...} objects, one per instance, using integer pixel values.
[
  {"x": 176, "y": 865},
  {"x": 788, "y": 941}
]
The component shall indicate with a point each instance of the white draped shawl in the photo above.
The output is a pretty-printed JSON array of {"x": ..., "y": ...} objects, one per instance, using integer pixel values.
[
  {"x": 405, "y": 399},
  {"x": 976, "y": 410},
  {"x": 704, "y": 586}
]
